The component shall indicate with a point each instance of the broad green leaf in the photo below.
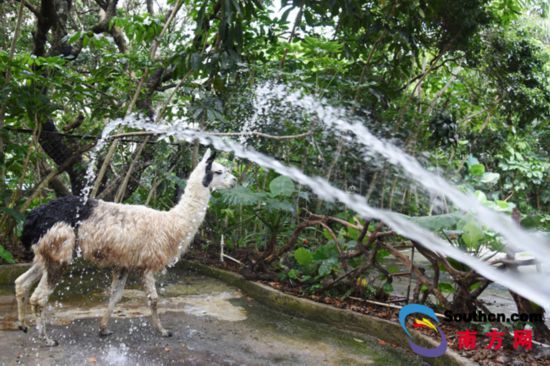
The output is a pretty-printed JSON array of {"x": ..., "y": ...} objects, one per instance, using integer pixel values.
[
  {"x": 293, "y": 274},
  {"x": 472, "y": 234},
  {"x": 476, "y": 170},
  {"x": 392, "y": 268},
  {"x": 480, "y": 196},
  {"x": 438, "y": 222},
  {"x": 490, "y": 178},
  {"x": 6, "y": 255},
  {"x": 303, "y": 257},
  {"x": 325, "y": 252},
  {"x": 282, "y": 186},
  {"x": 446, "y": 287},
  {"x": 474, "y": 286},
  {"x": 241, "y": 195},
  {"x": 326, "y": 266},
  {"x": 276, "y": 205}
]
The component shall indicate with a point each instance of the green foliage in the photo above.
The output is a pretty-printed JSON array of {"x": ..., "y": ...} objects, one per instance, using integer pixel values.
[
  {"x": 281, "y": 189},
  {"x": 281, "y": 186},
  {"x": 437, "y": 223},
  {"x": 472, "y": 234},
  {"x": 540, "y": 222},
  {"x": 477, "y": 170},
  {"x": 13, "y": 213},
  {"x": 5, "y": 255},
  {"x": 241, "y": 195},
  {"x": 446, "y": 287},
  {"x": 303, "y": 257}
]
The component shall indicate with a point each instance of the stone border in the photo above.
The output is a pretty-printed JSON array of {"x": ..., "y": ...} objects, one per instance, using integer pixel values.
[
  {"x": 10, "y": 272},
  {"x": 388, "y": 331}
]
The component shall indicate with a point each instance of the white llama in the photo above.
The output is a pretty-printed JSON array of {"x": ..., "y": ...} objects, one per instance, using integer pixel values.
[{"x": 118, "y": 236}]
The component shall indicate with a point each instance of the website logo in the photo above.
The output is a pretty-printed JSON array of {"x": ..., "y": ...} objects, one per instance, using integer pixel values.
[{"x": 423, "y": 322}]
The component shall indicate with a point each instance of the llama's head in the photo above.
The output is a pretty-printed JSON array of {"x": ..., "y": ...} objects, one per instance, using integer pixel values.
[{"x": 215, "y": 176}]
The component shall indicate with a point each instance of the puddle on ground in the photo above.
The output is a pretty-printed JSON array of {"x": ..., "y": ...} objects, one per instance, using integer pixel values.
[
  {"x": 214, "y": 302},
  {"x": 216, "y": 306}
]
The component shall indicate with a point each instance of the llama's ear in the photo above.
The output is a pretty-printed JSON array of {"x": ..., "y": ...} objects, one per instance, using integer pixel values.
[
  {"x": 206, "y": 155},
  {"x": 211, "y": 158},
  {"x": 208, "y": 159}
]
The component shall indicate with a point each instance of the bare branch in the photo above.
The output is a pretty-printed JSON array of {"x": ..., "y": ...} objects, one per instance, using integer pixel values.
[
  {"x": 31, "y": 7},
  {"x": 254, "y": 133},
  {"x": 54, "y": 173},
  {"x": 107, "y": 12}
]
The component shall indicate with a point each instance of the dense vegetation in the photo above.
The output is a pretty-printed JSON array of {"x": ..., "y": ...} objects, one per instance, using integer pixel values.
[{"x": 462, "y": 85}]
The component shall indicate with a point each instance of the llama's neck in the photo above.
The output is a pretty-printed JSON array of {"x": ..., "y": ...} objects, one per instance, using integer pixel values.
[{"x": 189, "y": 214}]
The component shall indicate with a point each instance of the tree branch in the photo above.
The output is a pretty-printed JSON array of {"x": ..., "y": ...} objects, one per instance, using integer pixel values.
[
  {"x": 54, "y": 173},
  {"x": 108, "y": 11},
  {"x": 31, "y": 7},
  {"x": 254, "y": 133}
]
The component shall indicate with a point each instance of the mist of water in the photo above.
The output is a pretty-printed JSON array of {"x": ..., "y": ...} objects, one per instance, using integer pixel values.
[{"x": 535, "y": 287}]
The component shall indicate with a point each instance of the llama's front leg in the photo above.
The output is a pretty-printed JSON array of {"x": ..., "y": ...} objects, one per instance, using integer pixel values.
[
  {"x": 38, "y": 301},
  {"x": 23, "y": 286},
  {"x": 152, "y": 297},
  {"x": 117, "y": 288}
]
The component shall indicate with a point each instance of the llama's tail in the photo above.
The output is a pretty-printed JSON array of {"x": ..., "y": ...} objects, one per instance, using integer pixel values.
[{"x": 30, "y": 235}]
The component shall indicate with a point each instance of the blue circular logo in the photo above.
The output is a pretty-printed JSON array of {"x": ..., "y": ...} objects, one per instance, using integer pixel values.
[{"x": 422, "y": 323}]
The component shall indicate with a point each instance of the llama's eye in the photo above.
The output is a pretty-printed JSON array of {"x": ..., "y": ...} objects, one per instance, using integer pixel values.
[{"x": 218, "y": 172}]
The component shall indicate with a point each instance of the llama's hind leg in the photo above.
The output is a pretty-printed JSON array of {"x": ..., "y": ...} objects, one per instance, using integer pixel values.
[
  {"x": 39, "y": 300},
  {"x": 117, "y": 287},
  {"x": 23, "y": 286},
  {"x": 152, "y": 297}
]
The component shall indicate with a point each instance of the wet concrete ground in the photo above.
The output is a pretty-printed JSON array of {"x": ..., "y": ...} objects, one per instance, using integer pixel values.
[{"x": 212, "y": 323}]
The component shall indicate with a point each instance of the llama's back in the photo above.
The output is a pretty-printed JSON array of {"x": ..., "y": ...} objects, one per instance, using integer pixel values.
[
  {"x": 128, "y": 236},
  {"x": 69, "y": 210}
]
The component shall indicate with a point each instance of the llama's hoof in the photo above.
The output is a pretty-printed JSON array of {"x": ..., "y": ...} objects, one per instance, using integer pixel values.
[
  {"x": 166, "y": 333},
  {"x": 105, "y": 333},
  {"x": 23, "y": 328},
  {"x": 51, "y": 342}
]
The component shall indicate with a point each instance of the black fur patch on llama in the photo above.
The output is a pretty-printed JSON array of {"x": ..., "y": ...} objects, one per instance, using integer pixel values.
[
  {"x": 209, "y": 175},
  {"x": 64, "y": 209},
  {"x": 207, "y": 178}
]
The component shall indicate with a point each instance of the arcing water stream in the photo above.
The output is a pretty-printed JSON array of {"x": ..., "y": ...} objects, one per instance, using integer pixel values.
[
  {"x": 336, "y": 120},
  {"x": 535, "y": 287}
]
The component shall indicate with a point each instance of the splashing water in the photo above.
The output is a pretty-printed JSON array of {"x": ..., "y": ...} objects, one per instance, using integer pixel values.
[
  {"x": 90, "y": 174},
  {"x": 336, "y": 120},
  {"x": 117, "y": 356},
  {"x": 535, "y": 287}
]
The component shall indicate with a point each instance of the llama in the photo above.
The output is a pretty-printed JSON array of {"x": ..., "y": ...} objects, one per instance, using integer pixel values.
[{"x": 111, "y": 235}]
